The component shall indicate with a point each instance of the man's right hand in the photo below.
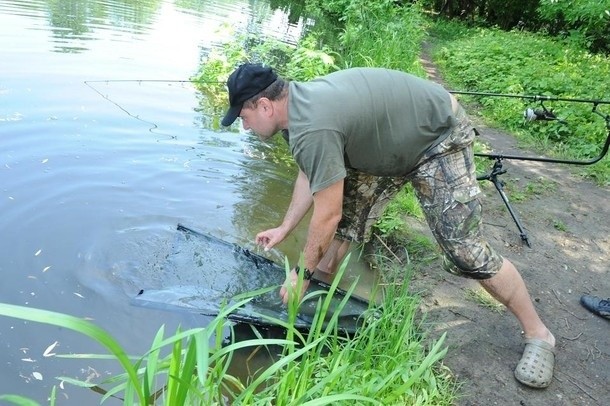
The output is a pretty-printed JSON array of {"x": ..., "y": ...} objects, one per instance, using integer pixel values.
[{"x": 270, "y": 238}]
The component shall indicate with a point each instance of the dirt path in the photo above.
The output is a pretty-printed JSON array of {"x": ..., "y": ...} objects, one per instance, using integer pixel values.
[{"x": 566, "y": 220}]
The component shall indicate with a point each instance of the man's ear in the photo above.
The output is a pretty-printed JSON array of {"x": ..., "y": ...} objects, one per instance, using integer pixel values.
[{"x": 266, "y": 105}]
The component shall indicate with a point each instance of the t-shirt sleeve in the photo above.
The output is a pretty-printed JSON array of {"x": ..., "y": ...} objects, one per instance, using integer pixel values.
[{"x": 320, "y": 155}]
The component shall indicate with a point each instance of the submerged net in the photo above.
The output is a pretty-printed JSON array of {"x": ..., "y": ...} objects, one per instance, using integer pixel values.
[{"x": 203, "y": 272}]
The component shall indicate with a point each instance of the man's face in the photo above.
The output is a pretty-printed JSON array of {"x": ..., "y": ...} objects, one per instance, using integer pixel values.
[{"x": 259, "y": 120}]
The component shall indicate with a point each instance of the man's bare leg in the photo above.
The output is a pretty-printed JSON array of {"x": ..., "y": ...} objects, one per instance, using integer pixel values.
[
  {"x": 508, "y": 287},
  {"x": 333, "y": 256}
]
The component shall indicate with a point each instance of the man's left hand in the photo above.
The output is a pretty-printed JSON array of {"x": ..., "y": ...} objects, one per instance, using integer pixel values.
[{"x": 290, "y": 286}]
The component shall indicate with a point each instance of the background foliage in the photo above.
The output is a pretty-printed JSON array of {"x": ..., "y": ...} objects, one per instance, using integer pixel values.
[
  {"x": 518, "y": 62},
  {"x": 585, "y": 22}
]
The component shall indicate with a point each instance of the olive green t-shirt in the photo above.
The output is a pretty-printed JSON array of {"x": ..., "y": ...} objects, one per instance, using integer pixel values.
[{"x": 373, "y": 120}]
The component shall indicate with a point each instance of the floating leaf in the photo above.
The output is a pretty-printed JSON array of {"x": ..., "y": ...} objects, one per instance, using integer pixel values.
[{"x": 47, "y": 352}]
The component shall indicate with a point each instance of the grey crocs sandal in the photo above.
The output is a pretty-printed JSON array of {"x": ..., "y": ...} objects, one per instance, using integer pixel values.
[{"x": 535, "y": 369}]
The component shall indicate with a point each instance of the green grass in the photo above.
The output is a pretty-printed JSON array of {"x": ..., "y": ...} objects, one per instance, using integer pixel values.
[
  {"x": 560, "y": 225},
  {"x": 536, "y": 188},
  {"x": 405, "y": 203},
  {"x": 380, "y": 34},
  {"x": 386, "y": 362},
  {"x": 521, "y": 63}
]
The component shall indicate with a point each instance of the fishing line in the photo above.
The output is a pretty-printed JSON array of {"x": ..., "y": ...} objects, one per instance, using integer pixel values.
[
  {"x": 154, "y": 80},
  {"x": 142, "y": 80},
  {"x": 153, "y": 126}
]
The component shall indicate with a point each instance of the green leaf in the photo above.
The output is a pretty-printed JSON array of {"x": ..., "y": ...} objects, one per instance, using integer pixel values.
[{"x": 79, "y": 325}]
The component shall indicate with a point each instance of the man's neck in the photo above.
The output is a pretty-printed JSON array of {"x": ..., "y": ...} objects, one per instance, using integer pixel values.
[{"x": 281, "y": 108}]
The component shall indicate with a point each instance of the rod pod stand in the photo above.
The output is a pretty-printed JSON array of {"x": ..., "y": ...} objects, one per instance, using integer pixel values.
[{"x": 497, "y": 168}]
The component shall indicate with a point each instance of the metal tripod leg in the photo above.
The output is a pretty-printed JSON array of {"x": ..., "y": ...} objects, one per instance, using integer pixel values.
[{"x": 493, "y": 177}]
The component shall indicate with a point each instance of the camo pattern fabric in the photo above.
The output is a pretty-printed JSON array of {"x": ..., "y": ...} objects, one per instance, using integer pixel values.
[
  {"x": 446, "y": 186},
  {"x": 364, "y": 199}
]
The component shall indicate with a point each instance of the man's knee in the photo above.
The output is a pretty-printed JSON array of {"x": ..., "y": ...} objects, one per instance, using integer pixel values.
[{"x": 472, "y": 263}]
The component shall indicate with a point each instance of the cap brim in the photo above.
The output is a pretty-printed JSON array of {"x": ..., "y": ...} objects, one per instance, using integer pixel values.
[{"x": 231, "y": 115}]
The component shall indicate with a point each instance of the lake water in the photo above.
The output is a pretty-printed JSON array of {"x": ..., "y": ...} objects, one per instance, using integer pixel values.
[
  {"x": 103, "y": 151},
  {"x": 92, "y": 185}
]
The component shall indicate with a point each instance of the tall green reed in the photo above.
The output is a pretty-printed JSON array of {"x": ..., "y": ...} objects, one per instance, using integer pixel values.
[
  {"x": 385, "y": 362},
  {"x": 192, "y": 372}
]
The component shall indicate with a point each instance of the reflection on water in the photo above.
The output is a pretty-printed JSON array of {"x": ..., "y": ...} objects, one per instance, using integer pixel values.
[
  {"x": 73, "y": 21},
  {"x": 95, "y": 180},
  {"x": 93, "y": 184}
]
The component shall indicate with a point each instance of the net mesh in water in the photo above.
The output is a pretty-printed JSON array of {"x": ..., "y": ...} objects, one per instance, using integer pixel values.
[{"x": 202, "y": 272}]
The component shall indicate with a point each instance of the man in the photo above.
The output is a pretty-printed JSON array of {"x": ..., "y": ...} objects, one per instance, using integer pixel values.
[{"x": 358, "y": 136}]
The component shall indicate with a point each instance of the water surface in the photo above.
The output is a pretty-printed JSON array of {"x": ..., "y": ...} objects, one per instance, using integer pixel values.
[
  {"x": 104, "y": 149},
  {"x": 96, "y": 172}
]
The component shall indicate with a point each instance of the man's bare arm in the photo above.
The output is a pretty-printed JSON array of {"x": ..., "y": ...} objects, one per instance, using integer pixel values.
[
  {"x": 324, "y": 221},
  {"x": 299, "y": 204}
]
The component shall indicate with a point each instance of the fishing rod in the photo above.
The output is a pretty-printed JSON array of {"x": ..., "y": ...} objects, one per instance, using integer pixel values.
[
  {"x": 543, "y": 114},
  {"x": 532, "y": 97},
  {"x": 139, "y": 80},
  {"x": 539, "y": 114},
  {"x": 152, "y": 80}
]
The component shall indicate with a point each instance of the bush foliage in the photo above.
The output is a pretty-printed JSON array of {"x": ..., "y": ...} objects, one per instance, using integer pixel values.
[
  {"x": 584, "y": 22},
  {"x": 522, "y": 63}
]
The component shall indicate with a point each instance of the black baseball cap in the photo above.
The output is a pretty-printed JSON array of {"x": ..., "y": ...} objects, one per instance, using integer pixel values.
[{"x": 246, "y": 81}]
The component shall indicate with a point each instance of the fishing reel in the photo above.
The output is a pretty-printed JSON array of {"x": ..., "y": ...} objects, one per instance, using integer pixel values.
[{"x": 541, "y": 114}]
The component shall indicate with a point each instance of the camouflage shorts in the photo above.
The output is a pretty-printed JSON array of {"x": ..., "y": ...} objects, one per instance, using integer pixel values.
[{"x": 446, "y": 186}]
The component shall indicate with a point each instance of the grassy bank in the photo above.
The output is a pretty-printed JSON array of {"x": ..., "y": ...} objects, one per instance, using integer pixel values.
[
  {"x": 522, "y": 63},
  {"x": 384, "y": 363}
]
